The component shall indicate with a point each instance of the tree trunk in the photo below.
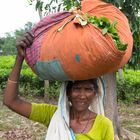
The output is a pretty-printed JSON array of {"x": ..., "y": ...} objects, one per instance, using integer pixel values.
[
  {"x": 111, "y": 110},
  {"x": 46, "y": 94},
  {"x": 120, "y": 74}
]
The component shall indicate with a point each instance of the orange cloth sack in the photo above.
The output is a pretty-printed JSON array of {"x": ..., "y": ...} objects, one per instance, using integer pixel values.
[{"x": 79, "y": 52}]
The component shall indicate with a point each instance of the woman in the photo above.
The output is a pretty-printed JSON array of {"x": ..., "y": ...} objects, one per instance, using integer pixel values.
[{"x": 85, "y": 124}]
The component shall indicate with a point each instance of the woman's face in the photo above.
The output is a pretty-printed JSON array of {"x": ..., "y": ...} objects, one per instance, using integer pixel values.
[{"x": 81, "y": 95}]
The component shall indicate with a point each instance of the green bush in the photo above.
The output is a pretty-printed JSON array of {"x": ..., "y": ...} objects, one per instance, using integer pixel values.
[
  {"x": 6, "y": 62},
  {"x": 128, "y": 90},
  {"x": 29, "y": 82},
  {"x": 54, "y": 89}
]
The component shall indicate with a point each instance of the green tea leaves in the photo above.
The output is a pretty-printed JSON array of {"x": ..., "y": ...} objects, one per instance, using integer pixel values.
[
  {"x": 104, "y": 31},
  {"x": 108, "y": 27}
]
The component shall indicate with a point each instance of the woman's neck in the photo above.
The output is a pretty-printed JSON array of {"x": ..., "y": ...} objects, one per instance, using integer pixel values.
[{"x": 79, "y": 115}]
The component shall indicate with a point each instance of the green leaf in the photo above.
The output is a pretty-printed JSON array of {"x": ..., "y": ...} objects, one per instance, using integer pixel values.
[
  {"x": 104, "y": 24},
  {"x": 104, "y": 31},
  {"x": 115, "y": 23},
  {"x": 115, "y": 36},
  {"x": 104, "y": 19},
  {"x": 112, "y": 30}
]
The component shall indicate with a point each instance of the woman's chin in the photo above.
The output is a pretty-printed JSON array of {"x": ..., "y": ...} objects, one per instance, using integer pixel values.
[{"x": 80, "y": 107}]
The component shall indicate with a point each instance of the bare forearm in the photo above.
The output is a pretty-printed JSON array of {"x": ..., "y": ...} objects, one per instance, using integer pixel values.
[
  {"x": 11, "y": 98},
  {"x": 11, "y": 90},
  {"x": 15, "y": 74}
]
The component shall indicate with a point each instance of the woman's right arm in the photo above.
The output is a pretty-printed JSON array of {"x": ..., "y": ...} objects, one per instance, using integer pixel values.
[{"x": 11, "y": 98}]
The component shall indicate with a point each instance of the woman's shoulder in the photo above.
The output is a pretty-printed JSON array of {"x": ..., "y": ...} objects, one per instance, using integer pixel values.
[
  {"x": 100, "y": 127},
  {"x": 42, "y": 112},
  {"x": 105, "y": 127},
  {"x": 43, "y": 109},
  {"x": 103, "y": 120}
]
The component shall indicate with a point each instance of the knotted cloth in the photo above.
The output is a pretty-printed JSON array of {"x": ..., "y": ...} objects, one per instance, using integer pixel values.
[{"x": 78, "y": 52}]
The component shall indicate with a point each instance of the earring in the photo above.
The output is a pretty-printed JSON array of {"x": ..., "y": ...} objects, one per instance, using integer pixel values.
[{"x": 70, "y": 104}]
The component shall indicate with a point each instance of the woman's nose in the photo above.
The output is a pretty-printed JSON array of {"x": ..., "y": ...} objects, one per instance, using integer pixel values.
[{"x": 82, "y": 94}]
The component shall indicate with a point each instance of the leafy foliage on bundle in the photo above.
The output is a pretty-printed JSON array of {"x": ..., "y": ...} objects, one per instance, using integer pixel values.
[
  {"x": 104, "y": 24},
  {"x": 131, "y": 8}
]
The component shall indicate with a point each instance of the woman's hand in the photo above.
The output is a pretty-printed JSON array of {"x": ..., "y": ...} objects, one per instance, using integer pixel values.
[{"x": 24, "y": 42}]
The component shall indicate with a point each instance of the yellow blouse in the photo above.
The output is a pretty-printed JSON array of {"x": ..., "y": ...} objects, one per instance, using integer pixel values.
[{"x": 102, "y": 128}]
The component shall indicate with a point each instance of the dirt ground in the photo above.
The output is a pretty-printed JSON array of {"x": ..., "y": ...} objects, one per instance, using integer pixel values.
[
  {"x": 129, "y": 116},
  {"x": 16, "y": 127}
]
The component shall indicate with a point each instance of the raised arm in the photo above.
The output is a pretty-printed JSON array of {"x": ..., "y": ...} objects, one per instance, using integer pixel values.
[{"x": 11, "y": 98}]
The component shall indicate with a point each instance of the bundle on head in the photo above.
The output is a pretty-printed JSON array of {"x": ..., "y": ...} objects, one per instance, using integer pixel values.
[{"x": 81, "y": 44}]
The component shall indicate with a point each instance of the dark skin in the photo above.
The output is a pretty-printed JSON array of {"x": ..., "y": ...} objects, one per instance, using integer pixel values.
[
  {"x": 11, "y": 98},
  {"x": 81, "y": 94}
]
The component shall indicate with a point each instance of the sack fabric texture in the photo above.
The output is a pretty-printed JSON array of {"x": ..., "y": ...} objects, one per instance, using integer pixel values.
[{"x": 78, "y": 52}]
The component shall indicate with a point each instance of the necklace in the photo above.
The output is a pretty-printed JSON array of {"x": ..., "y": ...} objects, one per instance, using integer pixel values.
[{"x": 86, "y": 123}]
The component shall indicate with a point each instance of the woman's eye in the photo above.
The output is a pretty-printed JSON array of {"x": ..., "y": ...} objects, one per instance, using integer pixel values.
[
  {"x": 89, "y": 89},
  {"x": 76, "y": 88}
]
